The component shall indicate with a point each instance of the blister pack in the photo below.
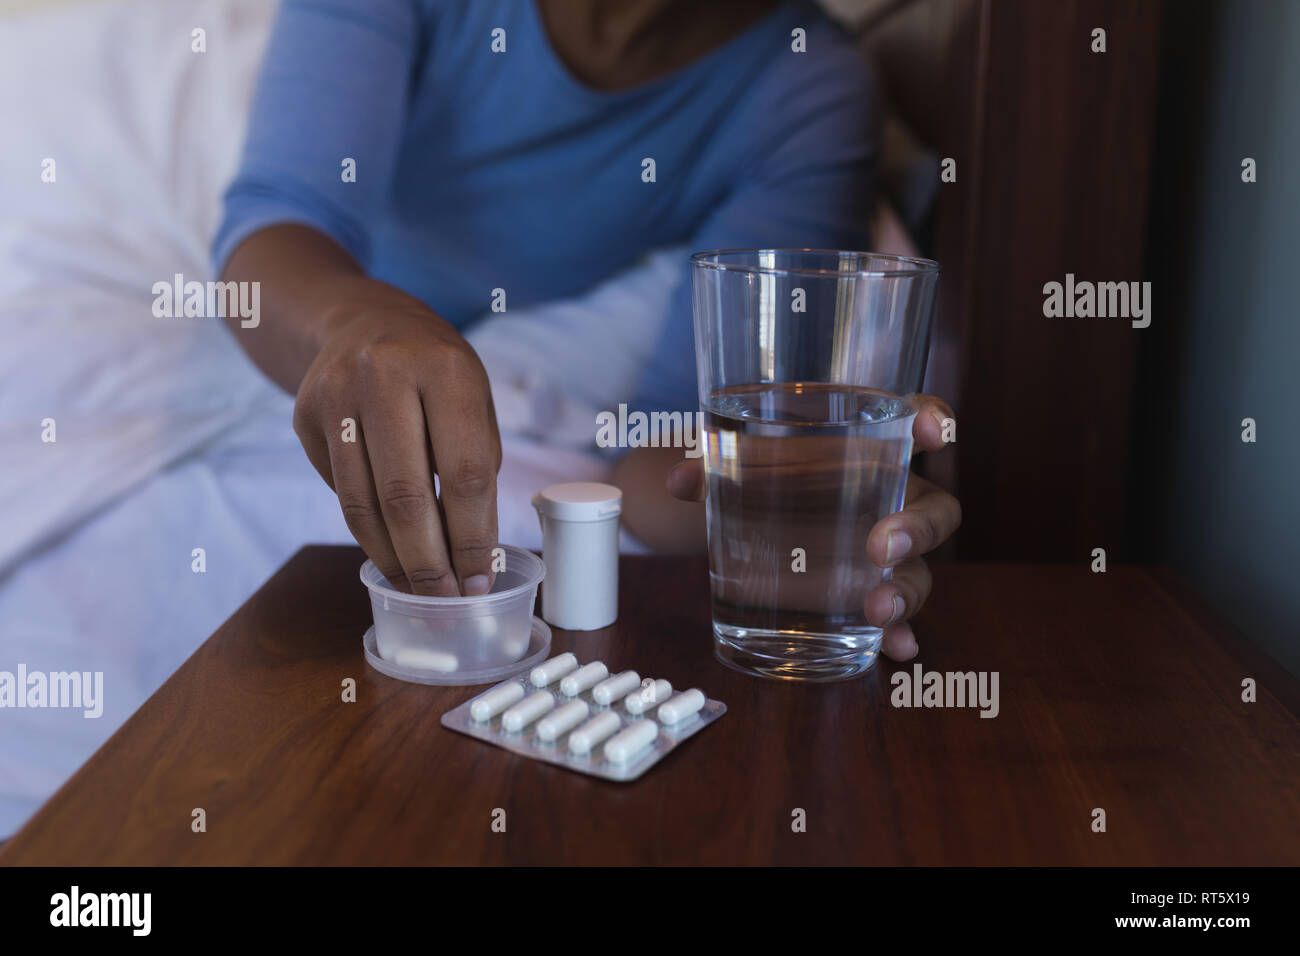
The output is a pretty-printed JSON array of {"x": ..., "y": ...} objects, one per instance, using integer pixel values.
[{"x": 615, "y": 726}]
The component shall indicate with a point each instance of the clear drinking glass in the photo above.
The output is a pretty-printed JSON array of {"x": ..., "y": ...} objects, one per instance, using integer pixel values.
[{"x": 808, "y": 364}]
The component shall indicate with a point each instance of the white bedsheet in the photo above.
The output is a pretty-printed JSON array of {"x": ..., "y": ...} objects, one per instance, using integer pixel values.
[{"x": 168, "y": 439}]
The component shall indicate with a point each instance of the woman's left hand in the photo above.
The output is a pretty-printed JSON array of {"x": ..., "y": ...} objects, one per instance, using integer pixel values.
[{"x": 929, "y": 517}]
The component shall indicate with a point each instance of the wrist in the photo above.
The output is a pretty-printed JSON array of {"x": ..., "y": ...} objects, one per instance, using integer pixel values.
[{"x": 346, "y": 299}]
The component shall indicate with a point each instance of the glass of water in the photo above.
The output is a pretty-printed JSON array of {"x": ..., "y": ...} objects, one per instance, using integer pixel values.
[{"x": 809, "y": 361}]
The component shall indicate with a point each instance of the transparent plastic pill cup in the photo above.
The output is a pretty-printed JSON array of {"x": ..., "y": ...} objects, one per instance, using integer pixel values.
[{"x": 459, "y": 640}]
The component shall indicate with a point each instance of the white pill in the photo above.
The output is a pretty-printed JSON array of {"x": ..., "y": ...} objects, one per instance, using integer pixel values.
[
  {"x": 562, "y": 720},
  {"x": 552, "y": 670},
  {"x": 593, "y": 732},
  {"x": 681, "y": 707},
  {"x": 615, "y": 687},
  {"x": 582, "y": 678},
  {"x": 647, "y": 696},
  {"x": 496, "y": 700},
  {"x": 631, "y": 742},
  {"x": 527, "y": 710},
  {"x": 423, "y": 658}
]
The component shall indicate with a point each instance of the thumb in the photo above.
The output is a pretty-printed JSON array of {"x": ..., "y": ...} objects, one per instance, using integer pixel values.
[
  {"x": 928, "y": 430},
  {"x": 686, "y": 480}
]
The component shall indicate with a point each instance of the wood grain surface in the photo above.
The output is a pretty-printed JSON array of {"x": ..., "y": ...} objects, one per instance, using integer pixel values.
[{"x": 1117, "y": 691}]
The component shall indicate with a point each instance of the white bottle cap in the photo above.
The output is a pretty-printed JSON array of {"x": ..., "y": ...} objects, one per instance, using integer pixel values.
[
  {"x": 579, "y": 501},
  {"x": 580, "y": 548}
]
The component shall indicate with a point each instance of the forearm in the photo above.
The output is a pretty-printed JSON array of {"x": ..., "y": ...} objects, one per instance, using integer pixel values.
[
  {"x": 655, "y": 517},
  {"x": 309, "y": 285}
]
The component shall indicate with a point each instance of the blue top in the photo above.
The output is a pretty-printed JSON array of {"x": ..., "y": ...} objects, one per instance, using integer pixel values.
[{"x": 478, "y": 170}]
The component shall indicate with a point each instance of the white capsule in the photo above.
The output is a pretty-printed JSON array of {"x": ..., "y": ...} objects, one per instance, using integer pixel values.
[
  {"x": 631, "y": 742},
  {"x": 615, "y": 687},
  {"x": 647, "y": 696},
  {"x": 496, "y": 700},
  {"x": 526, "y": 711},
  {"x": 582, "y": 740},
  {"x": 423, "y": 658},
  {"x": 582, "y": 678},
  {"x": 562, "y": 720},
  {"x": 681, "y": 707},
  {"x": 552, "y": 670}
]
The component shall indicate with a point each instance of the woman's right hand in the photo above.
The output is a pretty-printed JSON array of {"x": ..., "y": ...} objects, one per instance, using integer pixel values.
[{"x": 421, "y": 406}]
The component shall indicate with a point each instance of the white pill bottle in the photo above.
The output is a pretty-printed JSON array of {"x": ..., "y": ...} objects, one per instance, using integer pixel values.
[{"x": 580, "y": 547}]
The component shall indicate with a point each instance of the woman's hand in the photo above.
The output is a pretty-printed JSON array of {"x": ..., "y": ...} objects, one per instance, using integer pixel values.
[
  {"x": 354, "y": 349},
  {"x": 929, "y": 517},
  {"x": 421, "y": 404}
]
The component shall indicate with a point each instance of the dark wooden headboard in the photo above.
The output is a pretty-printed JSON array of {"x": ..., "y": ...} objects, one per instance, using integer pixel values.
[{"x": 1053, "y": 146}]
